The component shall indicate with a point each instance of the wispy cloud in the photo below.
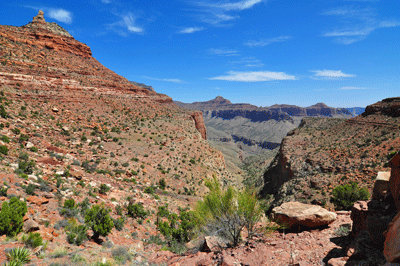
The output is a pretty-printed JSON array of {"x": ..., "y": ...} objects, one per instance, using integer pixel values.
[
  {"x": 106, "y": 1},
  {"x": 238, "y": 6},
  {"x": 223, "y": 52},
  {"x": 190, "y": 30},
  {"x": 248, "y": 62},
  {"x": 267, "y": 41},
  {"x": 167, "y": 80},
  {"x": 217, "y": 14},
  {"x": 352, "y": 88},
  {"x": 357, "y": 24},
  {"x": 331, "y": 74},
  {"x": 126, "y": 24},
  {"x": 254, "y": 76}
]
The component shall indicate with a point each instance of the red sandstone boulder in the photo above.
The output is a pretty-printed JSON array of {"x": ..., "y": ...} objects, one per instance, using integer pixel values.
[
  {"x": 359, "y": 214},
  {"x": 299, "y": 214},
  {"x": 392, "y": 242}
]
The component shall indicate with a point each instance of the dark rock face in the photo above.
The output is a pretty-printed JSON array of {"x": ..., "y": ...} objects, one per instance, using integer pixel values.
[
  {"x": 253, "y": 115},
  {"x": 389, "y": 107}
]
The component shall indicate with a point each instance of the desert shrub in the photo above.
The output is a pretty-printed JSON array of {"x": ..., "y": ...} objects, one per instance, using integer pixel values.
[
  {"x": 228, "y": 212},
  {"x": 23, "y": 138},
  {"x": 16, "y": 131},
  {"x": 119, "y": 223},
  {"x": 136, "y": 210},
  {"x": 61, "y": 224},
  {"x": 121, "y": 254},
  {"x": 99, "y": 220},
  {"x": 33, "y": 240},
  {"x": 11, "y": 216},
  {"x": 5, "y": 139},
  {"x": 344, "y": 196},
  {"x": 30, "y": 189},
  {"x": 104, "y": 189},
  {"x": 76, "y": 234},
  {"x": 18, "y": 256},
  {"x": 3, "y": 191},
  {"x": 24, "y": 165},
  {"x": 149, "y": 190},
  {"x": 3, "y": 149},
  {"x": 3, "y": 112},
  {"x": 84, "y": 206},
  {"x": 162, "y": 183},
  {"x": 69, "y": 209},
  {"x": 178, "y": 228}
]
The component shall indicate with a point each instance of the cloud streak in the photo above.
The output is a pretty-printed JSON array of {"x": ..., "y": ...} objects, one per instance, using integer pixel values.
[
  {"x": 167, "y": 80},
  {"x": 266, "y": 42},
  {"x": 238, "y": 6},
  {"x": 223, "y": 52},
  {"x": 357, "y": 24},
  {"x": 331, "y": 74},
  {"x": 190, "y": 30},
  {"x": 254, "y": 76}
]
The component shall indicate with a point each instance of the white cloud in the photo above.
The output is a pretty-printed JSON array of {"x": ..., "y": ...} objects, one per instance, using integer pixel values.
[
  {"x": 267, "y": 41},
  {"x": 191, "y": 30},
  {"x": 167, "y": 80},
  {"x": 255, "y": 76},
  {"x": 129, "y": 21},
  {"x": 242, "y": 5},
  {"x": 60, "y": 15},
  {"x": 353, "y": 88},
  {"x": 222, "y": 52},
  {"x": 357, "y": 24},
  {"x": 331, "y": 74},
  {"x": 106, "y": 1}
]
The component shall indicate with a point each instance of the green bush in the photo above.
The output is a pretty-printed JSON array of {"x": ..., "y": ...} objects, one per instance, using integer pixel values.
[
  {"x": 3, "y": 191},
  {"x": 3, "y": 112},
  {"x": 99, "y": 220},
  {"x": 119, "y": 223},
  {"x": 149, "y": 190},
  {"x": 76, "y": 234},
  {"x": 11, "y": 216},
  {"x": 178, "y": 228},
  {"x": 34, "y": 240},
  {"x": 344, "y": 196},
  {"x": 104, "y": 189},
  {"x": 3, "y": 149},
  {"x": 30, "y": 189},
  {"x": 24, "y": 165},
  {"x": 136, "y": 210},
  {"x": 228, "y": 212},
  {"x": 162, "y": 184},
  {"x": 69, "y": 209}
]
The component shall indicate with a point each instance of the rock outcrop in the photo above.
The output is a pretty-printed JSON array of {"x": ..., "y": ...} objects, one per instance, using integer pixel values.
[
  {"x": 292, "y": 214},
  {"x": 199, "y": 123},
  {"x": 392, "y": 242}
]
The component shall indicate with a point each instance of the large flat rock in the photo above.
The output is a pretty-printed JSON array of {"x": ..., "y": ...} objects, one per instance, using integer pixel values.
[{"x": 292, "y": 214}]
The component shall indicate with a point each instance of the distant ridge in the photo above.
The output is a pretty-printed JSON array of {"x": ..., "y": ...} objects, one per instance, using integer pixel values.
[{"x": 219, "y": 104}]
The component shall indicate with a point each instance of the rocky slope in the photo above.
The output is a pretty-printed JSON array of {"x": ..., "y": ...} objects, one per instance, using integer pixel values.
[
  {"x": 82, "y": 126},
  {"x": 323, "y": 153}
]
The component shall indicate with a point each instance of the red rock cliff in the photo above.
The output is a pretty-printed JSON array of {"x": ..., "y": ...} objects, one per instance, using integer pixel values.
[{"x": 199, "y": 122}]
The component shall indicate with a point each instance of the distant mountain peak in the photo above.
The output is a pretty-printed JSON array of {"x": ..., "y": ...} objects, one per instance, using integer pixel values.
[
  {"x": 319, "y": 105},
  {"x": 221, "y": 100}
]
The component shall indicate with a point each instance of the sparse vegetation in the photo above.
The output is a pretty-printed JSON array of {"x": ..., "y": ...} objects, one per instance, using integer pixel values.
[{"x": 344, "y": 196}]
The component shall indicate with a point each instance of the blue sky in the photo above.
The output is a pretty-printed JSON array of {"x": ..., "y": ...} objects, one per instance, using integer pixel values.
[{"x": 344, "y": 53}]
